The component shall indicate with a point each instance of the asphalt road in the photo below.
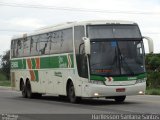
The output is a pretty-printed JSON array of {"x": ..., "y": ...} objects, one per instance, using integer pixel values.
[{"x": 11, "y": 102}]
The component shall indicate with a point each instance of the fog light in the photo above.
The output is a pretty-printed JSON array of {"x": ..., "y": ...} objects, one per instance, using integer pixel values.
[
  {"x": 96, "y": 94},
  {"x": 141, "y": 92}
]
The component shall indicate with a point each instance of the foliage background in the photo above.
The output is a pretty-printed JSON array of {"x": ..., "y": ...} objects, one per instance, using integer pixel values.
[{"x": 153, "y": 70}]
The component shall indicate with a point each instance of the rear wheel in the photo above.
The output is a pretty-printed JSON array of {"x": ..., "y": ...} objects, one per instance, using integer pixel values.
[
  {"x": 71, "y": 94},
  {"x": 37, "y": 95},
  {"x": 120, "y": 99},
  {"x": 29, "y": 90},
  {"x": 62, "y": 97},
  {"x": 23, "y": 89}
]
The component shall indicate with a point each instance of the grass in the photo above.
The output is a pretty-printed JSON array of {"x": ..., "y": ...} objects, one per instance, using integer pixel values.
[
  {"x": 4, "y": 81},
  {"x": 153, "y": 91},
  {"x": 2, "y": 77}
]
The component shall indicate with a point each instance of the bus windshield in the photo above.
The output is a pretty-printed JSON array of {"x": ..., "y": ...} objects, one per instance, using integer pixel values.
[
  {"x": 114, "y": 58},
  {"x": 116, "y": 50}
]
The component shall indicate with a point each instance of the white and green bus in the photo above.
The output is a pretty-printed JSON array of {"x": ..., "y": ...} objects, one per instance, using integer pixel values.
[{"x": 80, "y": 60}]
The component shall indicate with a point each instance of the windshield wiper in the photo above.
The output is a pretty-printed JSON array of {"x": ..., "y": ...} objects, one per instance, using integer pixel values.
[
  {"x": 127, "y": 65},
  {"x": 114, "y": 60},
  {"x": 122, "y": 59}
]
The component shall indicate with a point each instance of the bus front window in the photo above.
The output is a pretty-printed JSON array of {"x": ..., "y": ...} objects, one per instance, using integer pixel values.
[{"x": 117, "y": 57}]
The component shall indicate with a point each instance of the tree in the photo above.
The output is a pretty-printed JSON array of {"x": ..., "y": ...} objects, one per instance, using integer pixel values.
[
  {"x": 5, "y": 64},
  {"x": 153, "y": 70},
  {"x": 153, "y": 62}
]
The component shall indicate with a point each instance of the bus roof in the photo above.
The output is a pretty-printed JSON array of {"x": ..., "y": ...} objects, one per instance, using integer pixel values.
[{"x": 71, "y": 24}]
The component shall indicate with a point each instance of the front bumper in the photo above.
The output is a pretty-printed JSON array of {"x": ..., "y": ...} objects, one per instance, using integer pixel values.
[{"x": 94, "y": 90}]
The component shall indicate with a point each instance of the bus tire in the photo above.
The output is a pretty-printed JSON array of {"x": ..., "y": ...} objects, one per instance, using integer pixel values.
[
  {"x": 120, "y": 99},
  {"x": 71, "y": 94},
  {"x": 62, "y": 97},
  {"x": 29, "y": 90},
  {"x": 37, "y": 95},
  {"x": 23, "y": 89}
]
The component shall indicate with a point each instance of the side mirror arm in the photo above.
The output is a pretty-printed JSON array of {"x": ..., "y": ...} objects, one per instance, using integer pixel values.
[{"x": 150, "y": 44}]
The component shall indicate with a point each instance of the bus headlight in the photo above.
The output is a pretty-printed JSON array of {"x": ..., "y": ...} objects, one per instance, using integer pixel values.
[
  {"x": 141, "y": 80},
  {"x": 141, "y": 93},
  {"x": 97, "y": 82}
]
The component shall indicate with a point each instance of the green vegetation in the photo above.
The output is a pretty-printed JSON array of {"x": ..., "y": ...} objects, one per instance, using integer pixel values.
[
  {"x": 153, "y": 91},
  {"x": 4, "y": 81},
  {"x": 5, "y": 64},
  {"x": 153, "y": 71},
  {"x": 2, "y": 76},
  {"x": 5, "y": 69}
]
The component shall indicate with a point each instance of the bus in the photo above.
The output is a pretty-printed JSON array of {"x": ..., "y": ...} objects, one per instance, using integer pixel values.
[{"x": 88, "y": 59}]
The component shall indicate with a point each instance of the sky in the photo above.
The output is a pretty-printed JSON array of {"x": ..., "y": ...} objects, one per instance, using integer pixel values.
[{"x": 21, "y": 16}]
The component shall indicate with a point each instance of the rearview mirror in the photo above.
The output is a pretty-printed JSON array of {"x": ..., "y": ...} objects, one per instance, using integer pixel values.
[
  {"x": 87, "y": 45},
  {"x": 150, "y": 44}
]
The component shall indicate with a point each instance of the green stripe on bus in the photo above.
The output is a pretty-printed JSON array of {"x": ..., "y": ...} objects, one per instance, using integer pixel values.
[
  {"x": 16, "y": 64},
  {"x": 36, "y": 75},
  {"x": 44, "y": 62},
  {"x": 72, "y": 60},
  {"x": 96, "y": 77},
  {"x": 62, "y": 61},
  {"x": 24, "y": 64},
  {"x": 33, "y": 63},
  {"x": 123, "y": 78},
  {"x": 141, "y": 76}
]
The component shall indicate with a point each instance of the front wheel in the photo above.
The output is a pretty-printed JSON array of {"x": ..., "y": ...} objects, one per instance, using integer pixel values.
[
  {"x": 71, "y": 94},
  {"x": 120, "y": 99}
]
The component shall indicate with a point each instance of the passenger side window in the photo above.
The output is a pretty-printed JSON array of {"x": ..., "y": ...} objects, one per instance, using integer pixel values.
[
  {"x": 67, "y": 45},
  {"x": 78, "y": 35},
  {"x": 61, "y": 41},
  {"x": 34, "y": 45},
  {"x": 44, "y": 44},
  {"x": 13, "y": 47},
  {"x": 56, "y": 41},
  {"x": 19, "y": 48},
  {"x": 26, "y": 46}
]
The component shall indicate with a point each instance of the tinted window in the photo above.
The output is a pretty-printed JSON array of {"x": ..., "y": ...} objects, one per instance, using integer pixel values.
[
  {"x": 78, "y": 35},
  {"x": 34, "y": 45},
  {"x": 61, "y": 41},
  {"x": 67, "y": 36},
  {"x": 19, "y": 48},
  {"x": 44, "y": 44},
  {"x": 26, "y": 46},
  {"x": 79, "y": 48},
  {"x": 54, "y": 42},
  {"x": 113, "y": 31},
  {"x": 112, "y": 58},
  {"x": 13, "y": 48}
]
